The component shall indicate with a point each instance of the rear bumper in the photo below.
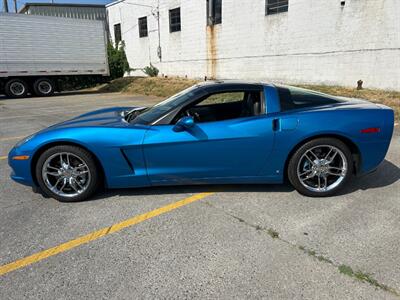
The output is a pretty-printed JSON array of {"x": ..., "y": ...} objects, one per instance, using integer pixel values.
[{"x": 372, "y": 155}]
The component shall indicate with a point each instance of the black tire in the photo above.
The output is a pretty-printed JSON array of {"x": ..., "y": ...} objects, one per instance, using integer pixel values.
[
  {"x": 298, "y": 155},
  {"x": 16, "y": 88},
  {"x": 43, "y": 87},
  {"x": 82, "y": 154}
]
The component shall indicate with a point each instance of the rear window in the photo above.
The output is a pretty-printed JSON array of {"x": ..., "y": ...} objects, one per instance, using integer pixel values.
[{"x": 294, "y": 98}]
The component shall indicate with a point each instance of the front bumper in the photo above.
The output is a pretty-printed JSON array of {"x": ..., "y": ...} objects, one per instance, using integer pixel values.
[{"x": 20, "y": 169}]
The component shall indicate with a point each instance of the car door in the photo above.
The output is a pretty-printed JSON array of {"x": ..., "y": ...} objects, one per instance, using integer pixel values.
[{"x": 229, "y": 150}]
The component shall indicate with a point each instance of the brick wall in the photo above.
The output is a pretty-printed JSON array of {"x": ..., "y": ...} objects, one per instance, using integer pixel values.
[{"x": 316, "y": 41}]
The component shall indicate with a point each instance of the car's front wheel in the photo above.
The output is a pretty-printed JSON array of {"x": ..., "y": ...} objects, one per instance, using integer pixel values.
[
  {"x": 320, "y": 167},
  {"x": 67, "y": 173}
]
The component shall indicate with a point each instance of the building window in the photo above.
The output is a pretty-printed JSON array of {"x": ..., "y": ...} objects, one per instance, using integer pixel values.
[
  {"x": 175, "y": 20},
  {"x": 214, "y": 12},
  {"x": 117, "y": 33},
  {"x": 143, "y": 27},
  {"x": 276, "y": 6}
]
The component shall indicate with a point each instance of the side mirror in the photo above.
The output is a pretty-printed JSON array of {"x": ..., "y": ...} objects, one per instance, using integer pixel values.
[{"x": 184, "y": 123}]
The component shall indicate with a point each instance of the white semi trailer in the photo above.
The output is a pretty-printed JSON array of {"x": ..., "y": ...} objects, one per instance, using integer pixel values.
[{"x": 36, "y": 51}]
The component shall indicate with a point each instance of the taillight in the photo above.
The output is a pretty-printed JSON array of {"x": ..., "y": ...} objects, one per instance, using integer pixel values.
[{"x": 371, "y": 130}]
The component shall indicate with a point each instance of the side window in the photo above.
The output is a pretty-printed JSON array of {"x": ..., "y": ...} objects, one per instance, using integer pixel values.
[
  {"x": 214, "y": 12},
  {"x": 224, "y": 106},
  {"x": 223, "y": 98},
  {"x": 217, "y": 11},
  {"x": 294, "y": 98},
  {"x": 117, "y": 33},
  {"x": 143, "y": 27},
  {"x": 276, "y": 6},
  {"x": 175, "y": 20}
]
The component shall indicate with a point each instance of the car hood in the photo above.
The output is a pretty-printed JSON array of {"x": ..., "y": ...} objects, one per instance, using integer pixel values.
[{"x": 107, "y": 117}]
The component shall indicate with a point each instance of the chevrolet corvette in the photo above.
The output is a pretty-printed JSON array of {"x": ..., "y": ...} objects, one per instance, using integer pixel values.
[{"x": 211, "y": 133}]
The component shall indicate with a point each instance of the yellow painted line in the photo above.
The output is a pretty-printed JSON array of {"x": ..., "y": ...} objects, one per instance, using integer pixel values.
[
  {"x": 12, "y": 138},
  {"x": 34, "y": 258},
  {"x": 3, "y": 157}
]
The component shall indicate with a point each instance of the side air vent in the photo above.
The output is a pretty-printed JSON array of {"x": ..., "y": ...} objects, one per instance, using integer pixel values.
[{"x": 127, "y": 161}]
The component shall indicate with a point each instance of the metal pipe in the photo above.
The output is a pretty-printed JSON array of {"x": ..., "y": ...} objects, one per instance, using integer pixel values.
[
  {"x": 5, "y": 6},
  {"x": 211, "y": 12},
  {"x": 159, "y": 35}
]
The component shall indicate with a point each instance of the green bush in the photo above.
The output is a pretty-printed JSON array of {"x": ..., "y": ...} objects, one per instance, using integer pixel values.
[
  {"x": 69, "y": 83},
  {"x": 118, "y": 65},
  {"x": 117, "y": 61},
  {"x": 151, "y": 71}
]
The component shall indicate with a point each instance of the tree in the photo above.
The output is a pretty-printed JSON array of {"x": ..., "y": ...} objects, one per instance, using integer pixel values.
[{"x": 117, "y": 61}]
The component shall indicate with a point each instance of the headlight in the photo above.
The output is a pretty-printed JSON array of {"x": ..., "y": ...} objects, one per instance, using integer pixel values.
[{"x": 24, "y": 140}]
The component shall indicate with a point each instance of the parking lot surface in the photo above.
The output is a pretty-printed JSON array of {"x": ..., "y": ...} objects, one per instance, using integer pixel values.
[{"x": 245, "y": 241}]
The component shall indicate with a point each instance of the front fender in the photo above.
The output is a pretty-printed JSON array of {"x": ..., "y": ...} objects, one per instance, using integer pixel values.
[{"x": 106, "y": 144}]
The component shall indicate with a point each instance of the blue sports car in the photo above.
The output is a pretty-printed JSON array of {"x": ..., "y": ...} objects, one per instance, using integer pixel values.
[{"x": 211, "y": 133}]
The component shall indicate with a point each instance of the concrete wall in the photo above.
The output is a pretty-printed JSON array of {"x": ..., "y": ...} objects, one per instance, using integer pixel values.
[{"x": 319, "y": 42}]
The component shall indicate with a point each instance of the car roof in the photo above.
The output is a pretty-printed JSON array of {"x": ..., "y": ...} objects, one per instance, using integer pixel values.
[
  {"x": 230, "y": 82},
  {"x": 227, "y": 84}
]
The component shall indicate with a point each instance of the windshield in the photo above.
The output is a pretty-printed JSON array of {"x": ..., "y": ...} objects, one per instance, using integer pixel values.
[{"x": 154, "y": 113}]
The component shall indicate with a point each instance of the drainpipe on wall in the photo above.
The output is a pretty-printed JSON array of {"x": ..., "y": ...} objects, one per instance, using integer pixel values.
[
  {"x": 5, "y": 6},
  {"x": 159, "y": 54},
  {"x": 157, "y": 16},
  {"x": 211, "y": 41},
  {"x": 211, "y": 12}
]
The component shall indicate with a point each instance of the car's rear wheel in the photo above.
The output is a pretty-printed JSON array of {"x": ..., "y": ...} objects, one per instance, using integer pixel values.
[
  {"x": 67, "y": 173},
  {"x": 320, "y": 167}
]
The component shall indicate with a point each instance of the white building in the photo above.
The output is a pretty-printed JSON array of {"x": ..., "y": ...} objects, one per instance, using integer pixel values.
[{"x": 294, "y": 41}]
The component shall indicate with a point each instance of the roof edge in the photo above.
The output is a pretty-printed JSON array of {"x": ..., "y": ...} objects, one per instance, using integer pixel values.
[{"x": 30, "y": 4}]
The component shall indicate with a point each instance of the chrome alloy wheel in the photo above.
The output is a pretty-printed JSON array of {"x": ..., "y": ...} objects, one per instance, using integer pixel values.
[
  {"x": 44, "y": 87},
  {"x": 322, "y": 168},
  {"x": 66, "y": 174},
  {"x": 17, "y": 88}
]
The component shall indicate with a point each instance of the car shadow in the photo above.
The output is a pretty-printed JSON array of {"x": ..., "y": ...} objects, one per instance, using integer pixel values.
[
  {"x": 386, "y": 174},
  {"x": 194, "y": 189}
]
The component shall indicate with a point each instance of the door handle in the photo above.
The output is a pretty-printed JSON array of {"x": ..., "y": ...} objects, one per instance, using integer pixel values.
[{"x": 275, "y": 124}]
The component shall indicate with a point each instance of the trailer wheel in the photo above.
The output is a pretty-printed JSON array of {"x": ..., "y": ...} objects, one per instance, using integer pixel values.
[
  {"x": 43, "y": 87},
  {"x": 16, "y": 88}
]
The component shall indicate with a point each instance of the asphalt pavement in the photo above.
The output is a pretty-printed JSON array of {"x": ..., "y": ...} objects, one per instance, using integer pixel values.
[{"x": 244, "y": 241}]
